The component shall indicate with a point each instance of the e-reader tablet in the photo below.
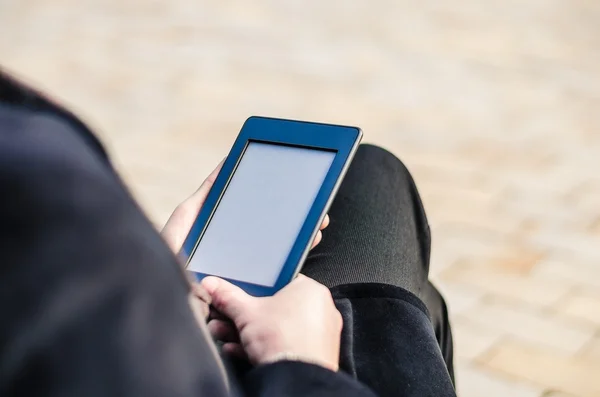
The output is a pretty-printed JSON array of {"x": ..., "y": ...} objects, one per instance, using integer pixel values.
[{"x": 265, "y": 208}]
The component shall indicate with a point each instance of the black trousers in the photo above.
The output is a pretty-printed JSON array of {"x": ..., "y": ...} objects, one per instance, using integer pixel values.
[{"x": 379, "y": 234}]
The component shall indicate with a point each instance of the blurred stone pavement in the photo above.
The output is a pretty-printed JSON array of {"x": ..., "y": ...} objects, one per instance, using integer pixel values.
[{"x": 494, "y": 107}]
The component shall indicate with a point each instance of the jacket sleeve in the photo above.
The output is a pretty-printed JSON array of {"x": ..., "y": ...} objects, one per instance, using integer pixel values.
[
  {"x": 92, "y": 301},
  {"x": 296, "y": 379}
]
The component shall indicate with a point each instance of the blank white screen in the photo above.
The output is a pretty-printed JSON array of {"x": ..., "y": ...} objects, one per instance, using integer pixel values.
[{"x": 261, "y": 213}]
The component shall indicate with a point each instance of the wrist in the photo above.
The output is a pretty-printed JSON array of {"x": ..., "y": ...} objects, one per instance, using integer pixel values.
[{"x": 290, "y": 356}]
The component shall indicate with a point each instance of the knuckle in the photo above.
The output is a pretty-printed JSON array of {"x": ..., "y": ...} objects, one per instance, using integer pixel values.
[
  {"x": 214, "y": 327},
  {"x": 325, "y": 293},
  {"x": 222, "y": 299},
  {"x": 267, "y": 335}
]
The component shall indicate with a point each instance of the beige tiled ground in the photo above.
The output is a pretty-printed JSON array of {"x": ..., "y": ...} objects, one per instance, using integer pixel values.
[{"x": 494, "y": 106}]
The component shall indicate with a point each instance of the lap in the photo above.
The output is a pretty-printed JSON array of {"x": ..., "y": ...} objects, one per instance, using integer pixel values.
[
  {"x": 379, "y": 234},
  {"x": 378, "y": 231}
]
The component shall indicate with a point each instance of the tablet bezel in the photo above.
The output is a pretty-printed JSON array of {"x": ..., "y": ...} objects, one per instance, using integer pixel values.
[{"x": 341, "y": 139}]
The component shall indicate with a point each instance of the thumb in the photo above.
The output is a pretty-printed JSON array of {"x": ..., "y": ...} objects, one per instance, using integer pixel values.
[
  {"x": 182, "y": 219},
  {"x": 228, "y": 299},
  {"x": 200, "y": 195}
]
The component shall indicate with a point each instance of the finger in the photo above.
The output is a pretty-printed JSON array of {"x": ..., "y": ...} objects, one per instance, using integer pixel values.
[
  {"x": 229, "y": 299},
  {"x": 215, "y": 315},
  {"x": 325, "y": 222},
  {"x": 223, "y": 331},
  {"x": 300, "y": 278},
  {"x": 201, "y": 293},
  {"x": 202, "y": 192},
  {"x": 177, "y": 228},
  {"x": 298, "y": 282},
  {"x": 317, "y": 239},
  {"x": 199, "y": 308},
  {"x": 235, "y": 350},
  {"x": 193, "y": 203}
]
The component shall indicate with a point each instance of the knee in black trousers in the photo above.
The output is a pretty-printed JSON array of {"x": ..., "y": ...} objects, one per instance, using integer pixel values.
[
  {"x": 378, "y": 231},
  {"x": 379, "y": 234}
]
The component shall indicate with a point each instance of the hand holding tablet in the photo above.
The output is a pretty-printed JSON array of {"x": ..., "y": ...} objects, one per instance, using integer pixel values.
[{"x": 267, "y": 203}]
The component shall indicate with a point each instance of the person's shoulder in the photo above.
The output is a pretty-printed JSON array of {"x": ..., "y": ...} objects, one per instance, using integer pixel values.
[{"x": 20, "y": 102}]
